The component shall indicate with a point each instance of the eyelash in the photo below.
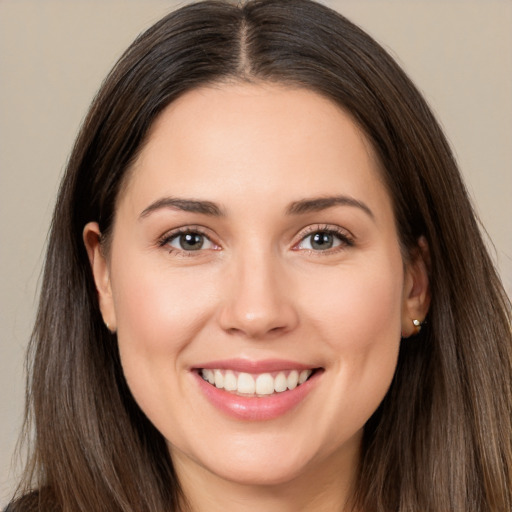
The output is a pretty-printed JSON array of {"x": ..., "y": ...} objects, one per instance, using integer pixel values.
[
  {"x": 166, "y": 239},
  {"x": 346, "y": 240}
]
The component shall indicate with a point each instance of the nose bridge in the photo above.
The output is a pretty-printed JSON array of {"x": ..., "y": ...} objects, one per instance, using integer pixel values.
[{"x": 258, "y": 302}]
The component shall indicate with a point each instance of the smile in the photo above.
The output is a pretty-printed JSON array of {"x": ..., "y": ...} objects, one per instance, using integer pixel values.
[
  {"x": 256, "y": 391},
  {"x": 255, "y": 385}
]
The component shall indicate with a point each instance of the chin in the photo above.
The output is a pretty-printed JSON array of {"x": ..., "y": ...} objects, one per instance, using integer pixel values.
[{"x": 259, "y": 473}]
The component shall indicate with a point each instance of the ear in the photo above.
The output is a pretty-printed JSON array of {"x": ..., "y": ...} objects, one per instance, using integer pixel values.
[
  {"x": 416, "y": 293},
  {"x": 101, "y": 273}
]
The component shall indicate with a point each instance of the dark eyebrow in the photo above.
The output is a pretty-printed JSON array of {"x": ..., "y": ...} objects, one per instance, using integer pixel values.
[
  {"x": 186, "y": 205},
  {"x": 322, "y": 203}
]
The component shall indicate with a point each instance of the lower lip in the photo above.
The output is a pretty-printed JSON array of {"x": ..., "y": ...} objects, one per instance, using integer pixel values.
[{"x": 256, "y": 408}]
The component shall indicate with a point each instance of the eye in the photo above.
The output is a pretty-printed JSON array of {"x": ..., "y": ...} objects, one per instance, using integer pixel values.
[
  {"x": 323, "y": 240},
  {"x": 188, "y": 241}
]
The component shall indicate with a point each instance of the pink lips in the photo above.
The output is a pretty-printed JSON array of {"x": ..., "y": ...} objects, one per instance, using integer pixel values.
[
  {"x": 255, "y": 408},
  {"x": 245, "y": 365}
]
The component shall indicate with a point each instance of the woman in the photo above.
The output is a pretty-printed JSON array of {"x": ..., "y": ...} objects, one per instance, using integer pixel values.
[{"x": 265, "y": 288}]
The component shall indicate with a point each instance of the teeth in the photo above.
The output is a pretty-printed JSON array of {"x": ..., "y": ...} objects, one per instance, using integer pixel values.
[
  {"x": 281, "y": 383},
  {"x": 219, "y": 379},
  {"x": 293, "y": 379},
  {"x": 246, "y": 384},
  {"x": 303, "y": 377},
  {"x": 208, "y": 375},
  {"x": 264, "y": 384},
  {"x": 230, "y": 381},
  {"x": 258, "y": 385}
]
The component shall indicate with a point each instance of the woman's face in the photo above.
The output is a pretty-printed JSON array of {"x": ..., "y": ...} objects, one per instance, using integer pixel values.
[{"x": 256, "y": 283}]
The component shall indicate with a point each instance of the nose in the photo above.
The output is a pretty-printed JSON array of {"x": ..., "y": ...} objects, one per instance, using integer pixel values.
[{"x": 259, "y": 300}]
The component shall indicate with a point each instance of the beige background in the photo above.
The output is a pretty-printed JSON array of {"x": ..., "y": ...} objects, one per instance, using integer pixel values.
[{"x": 54, "y": 54}]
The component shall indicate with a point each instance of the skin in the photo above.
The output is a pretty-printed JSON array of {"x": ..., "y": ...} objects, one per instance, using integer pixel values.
[{"x": 258, "y": 290}]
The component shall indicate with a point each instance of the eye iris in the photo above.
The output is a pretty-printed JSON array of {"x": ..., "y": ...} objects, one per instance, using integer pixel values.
[
  {"x": 322, "y": 241},
  {"x": 191, "y": 241}
]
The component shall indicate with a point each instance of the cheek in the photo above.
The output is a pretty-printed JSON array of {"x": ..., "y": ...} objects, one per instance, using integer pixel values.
[
  {"x": 357, "y": 313},
  {"x": 359, "y": 305},
  {"x": 158, "y": 314},
  {"x": 160, "y": 309}
]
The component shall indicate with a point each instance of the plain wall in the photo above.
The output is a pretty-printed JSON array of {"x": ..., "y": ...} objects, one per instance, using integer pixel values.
[{"x": 54, "y": 54}]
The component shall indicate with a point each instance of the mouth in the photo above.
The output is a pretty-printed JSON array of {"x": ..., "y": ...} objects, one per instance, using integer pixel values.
[
  {"x": 256, "y": 390},
  {"x": 257, "y": 385}
]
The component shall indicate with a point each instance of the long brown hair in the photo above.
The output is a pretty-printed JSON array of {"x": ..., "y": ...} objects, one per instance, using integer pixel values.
[{"x": 442, "y": 438}]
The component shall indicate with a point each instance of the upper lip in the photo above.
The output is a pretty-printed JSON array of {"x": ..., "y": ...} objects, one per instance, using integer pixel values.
[{"x": 251, "y": 366}]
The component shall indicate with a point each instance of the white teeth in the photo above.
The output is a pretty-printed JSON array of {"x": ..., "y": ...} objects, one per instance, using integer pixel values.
[
  {"x": 230, "y": 381},
  {"x": 209, "y": 376},
  {"x": 258, "y": 385},
  {"x": 219, "y": 379},
  {"x": 281, "y": 383},
  {"x": 246, "y": 384},
  {"x": 264, "y": 384},
  {"x": 303, "y": 377},
  {"x": 293, "y": 379}
]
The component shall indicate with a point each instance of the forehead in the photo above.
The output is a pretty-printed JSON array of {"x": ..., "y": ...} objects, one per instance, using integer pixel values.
[{"x": 252, "y": 140}]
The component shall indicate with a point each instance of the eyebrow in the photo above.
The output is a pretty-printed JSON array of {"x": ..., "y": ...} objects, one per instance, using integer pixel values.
[
  {"x": 185, "y": 205},
  {"x": 322, "y": 203},
  {"x": 296, "y": 208}
]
